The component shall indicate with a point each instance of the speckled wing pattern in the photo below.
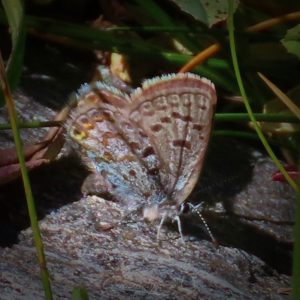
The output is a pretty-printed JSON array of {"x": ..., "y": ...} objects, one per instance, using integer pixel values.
[
  {"x": 176, "y": 113},
  {"x": 146, "y": 148}
]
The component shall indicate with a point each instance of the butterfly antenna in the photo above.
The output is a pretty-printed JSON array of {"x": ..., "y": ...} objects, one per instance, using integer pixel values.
[{"x": 196, "y": 209}]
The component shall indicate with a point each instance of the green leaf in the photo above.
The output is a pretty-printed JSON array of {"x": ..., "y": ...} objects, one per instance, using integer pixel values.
[
  {"x": 15, "y": 15},
  {"x": 80, "y": 293},
  {"x": 207, "y": 12},
  {"x": 194, "y": 8},
  {"x": 291, "y": 41},
  {"x": 14, "y": 12}
]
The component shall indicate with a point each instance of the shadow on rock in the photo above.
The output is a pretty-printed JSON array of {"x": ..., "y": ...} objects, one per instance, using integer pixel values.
[
  {"x": 243, "y": 207},
  {"x": 53, "y": 186}
]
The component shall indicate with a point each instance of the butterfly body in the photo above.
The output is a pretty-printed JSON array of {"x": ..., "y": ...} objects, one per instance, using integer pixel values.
[{"x": 145, "y": 149}]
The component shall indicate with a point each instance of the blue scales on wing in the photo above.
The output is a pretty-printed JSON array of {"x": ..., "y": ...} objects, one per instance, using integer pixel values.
[{"x": 119, "y": 155}]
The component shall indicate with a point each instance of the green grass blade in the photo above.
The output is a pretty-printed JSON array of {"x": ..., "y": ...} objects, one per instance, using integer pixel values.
[
  {"x": 28, "y": 192},
  {"x": 15, "y": 16},
  {"x": 244, "y": 117},
  {"x": 80, "y": 293}
]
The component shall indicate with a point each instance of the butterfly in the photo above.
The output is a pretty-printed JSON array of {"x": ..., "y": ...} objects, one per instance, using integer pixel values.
[{"x": 145, "y": 149}]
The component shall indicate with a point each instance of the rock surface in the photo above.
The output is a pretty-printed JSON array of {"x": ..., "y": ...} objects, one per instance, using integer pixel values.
[{"x": 85, "y": 246}]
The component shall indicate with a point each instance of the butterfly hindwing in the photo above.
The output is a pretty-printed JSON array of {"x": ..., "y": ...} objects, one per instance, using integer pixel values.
[{"x": 176, "y": 113}]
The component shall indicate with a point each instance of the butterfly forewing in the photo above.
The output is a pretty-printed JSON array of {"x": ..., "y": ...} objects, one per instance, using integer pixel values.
[
  {"x": 176, "y": 113},
  {"x": 113, "y": 148}
]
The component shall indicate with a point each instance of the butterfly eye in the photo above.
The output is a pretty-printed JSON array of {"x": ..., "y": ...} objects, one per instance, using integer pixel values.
[{"x": 77, "y": 134}]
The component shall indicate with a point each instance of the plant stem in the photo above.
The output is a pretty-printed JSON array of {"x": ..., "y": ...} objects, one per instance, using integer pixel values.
[
  {"x": 28, "y": 192},
  {"x": 246, "y": 102}
]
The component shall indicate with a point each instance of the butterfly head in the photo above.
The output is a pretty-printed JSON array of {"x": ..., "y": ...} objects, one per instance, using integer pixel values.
[{"x": 160, "y": 211}]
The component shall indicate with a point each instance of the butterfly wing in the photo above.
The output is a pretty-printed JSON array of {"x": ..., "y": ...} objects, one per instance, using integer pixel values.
[
  {"x": 119, "y": 154},
  {"x": 176, "y": 112}
]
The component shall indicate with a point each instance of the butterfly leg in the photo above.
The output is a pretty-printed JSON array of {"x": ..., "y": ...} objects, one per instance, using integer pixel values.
[
  {"x": 177, "y": 218},
  {"x": 181, "y": 210},
  {"x": 162, "y": 221}
]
